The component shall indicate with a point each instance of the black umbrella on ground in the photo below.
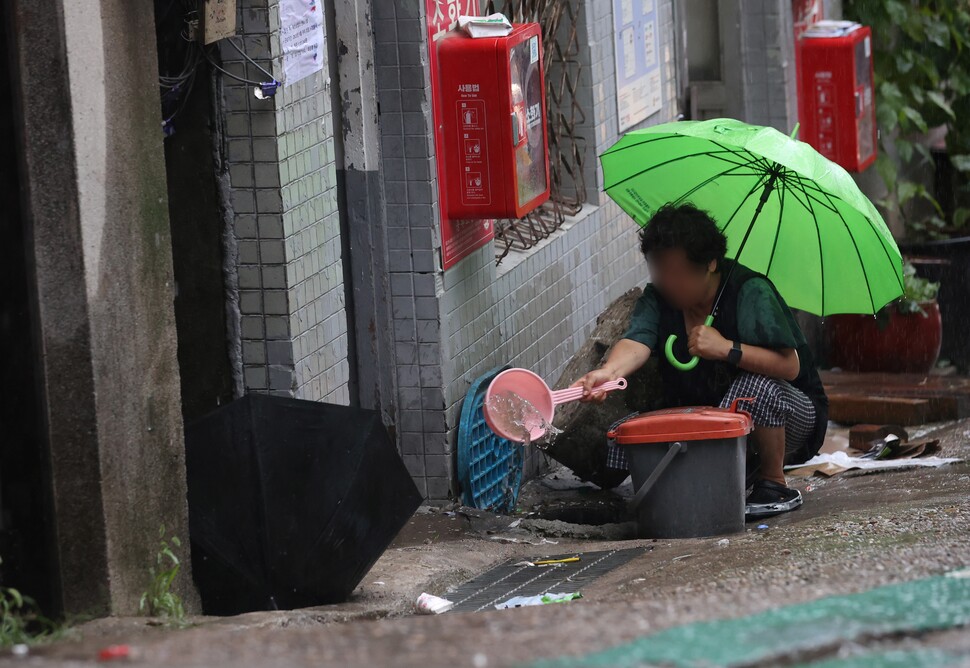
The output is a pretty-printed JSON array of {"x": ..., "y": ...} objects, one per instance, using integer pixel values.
[{"x": 290, "y": 502}]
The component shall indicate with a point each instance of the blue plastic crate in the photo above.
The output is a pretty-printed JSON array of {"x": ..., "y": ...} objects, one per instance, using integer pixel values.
[{"x": 489, "y": 467}]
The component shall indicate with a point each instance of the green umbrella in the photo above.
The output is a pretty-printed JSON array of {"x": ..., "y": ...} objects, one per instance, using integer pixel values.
[{"x": 788, "y": 212}]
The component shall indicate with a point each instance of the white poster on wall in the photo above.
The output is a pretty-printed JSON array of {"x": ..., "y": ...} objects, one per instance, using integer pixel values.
[
  {"x": 301, "y": 38},
  {"x": 639, "y": 92}
]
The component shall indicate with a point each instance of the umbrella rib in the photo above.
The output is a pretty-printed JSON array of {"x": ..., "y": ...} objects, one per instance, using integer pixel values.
[
  {"x": 808, "y": 198},
  {"x": 812, "y": 185},
  {"x": 781, "y": 213},
  {"x": 803, "y": 183},
  {"x": 899, "y": 280},
  {"x": 738, "y": 149},
  {"x": 709, "y": 180},
  {"x": 892, "y": 263},
  {"x": 790, "y": 187},
  {"x": 872, "y": 225},
  {"x": 765, "y": 162},
  {"x": 821, "y": 265},
  {"x": 818, "y": 234},
  {"x": 858, "y": 254},
  {"x": 744, "y": 199},
  {"x": 712, "y": 154},
  {"x": 870, "y": 221}
]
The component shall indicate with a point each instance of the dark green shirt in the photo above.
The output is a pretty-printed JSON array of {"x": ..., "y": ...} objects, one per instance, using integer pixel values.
[{"x": 762, "y": 319}]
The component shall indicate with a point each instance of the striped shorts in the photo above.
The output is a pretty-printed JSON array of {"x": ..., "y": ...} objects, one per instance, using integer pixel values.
[{"x": 777, "y": 404}]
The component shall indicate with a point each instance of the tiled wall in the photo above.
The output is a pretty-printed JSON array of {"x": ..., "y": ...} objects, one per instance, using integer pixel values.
[
  {"x": 768, "y": 63},
  {"x": 410, "y": 187},
  {"x": 453, "y": 327},
  {"x": 283, "y": 196},
  {"x": 448, "y": 328},
  {"x": 538, "y": 314}
]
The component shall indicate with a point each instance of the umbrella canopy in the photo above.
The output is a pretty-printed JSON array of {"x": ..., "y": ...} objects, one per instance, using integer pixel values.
[
  {"x": 788, "y": 212},
  {"x": 290, "y": 502}
]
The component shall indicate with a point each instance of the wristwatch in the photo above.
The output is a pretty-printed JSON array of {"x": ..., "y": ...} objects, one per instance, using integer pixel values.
[{"x": 734, "y": 356}]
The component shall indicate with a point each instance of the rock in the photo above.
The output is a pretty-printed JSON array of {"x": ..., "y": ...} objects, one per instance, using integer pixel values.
[{"x": 582, "y": 445}]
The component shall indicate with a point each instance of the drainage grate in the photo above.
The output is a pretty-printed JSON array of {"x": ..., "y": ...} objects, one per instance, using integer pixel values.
[{"x": 508, "y": 580}]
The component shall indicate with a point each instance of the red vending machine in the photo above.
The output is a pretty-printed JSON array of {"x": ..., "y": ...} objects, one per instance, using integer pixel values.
[
  {"x": 493, "y": 122},
  {"x": 836, "y": 101}
]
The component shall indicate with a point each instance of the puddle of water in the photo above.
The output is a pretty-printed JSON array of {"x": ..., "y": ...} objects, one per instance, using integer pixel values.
[
  {"x": 519, "y": 417},
  {"x": 585, "y": 514}
]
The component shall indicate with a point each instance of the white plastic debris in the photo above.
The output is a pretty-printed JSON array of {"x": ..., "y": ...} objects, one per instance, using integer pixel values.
[
  {"x": 724, "y": 542},
  {"x": 493, "y": 25},
  {"x": 846, "y": 462},
  {"x": 20, "y": 650},
  {"x": 509, "y": 539},
  {"x": 433, "y": 605},
  {"x": 543, "y": 599}
]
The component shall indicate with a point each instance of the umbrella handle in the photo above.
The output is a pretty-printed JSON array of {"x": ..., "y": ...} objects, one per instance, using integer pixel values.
[{"x": 669, "y": 350}]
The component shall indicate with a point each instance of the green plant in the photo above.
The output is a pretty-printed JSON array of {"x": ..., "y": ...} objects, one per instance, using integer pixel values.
[
  {"x": 921, "y": 52},
  {"x": 159, "y": 600},
  {"x": 916, "y": 291},
  {"x": 21, "y": 621}
]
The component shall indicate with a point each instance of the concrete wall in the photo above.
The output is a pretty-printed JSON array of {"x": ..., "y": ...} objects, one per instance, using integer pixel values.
[
  {"x": 452, "y": 327},
  {"x": 767, "y": 60},
  {"x": 99, "y": 246},
  {"x": 758, "y": 62},
  {"x": 282, "y": 199}
]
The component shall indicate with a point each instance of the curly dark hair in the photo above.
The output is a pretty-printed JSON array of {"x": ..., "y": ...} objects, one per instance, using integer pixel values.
[{"x": 684, "y": 226}]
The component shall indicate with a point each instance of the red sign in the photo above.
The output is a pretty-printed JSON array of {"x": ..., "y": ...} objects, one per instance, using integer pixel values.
[{"x": 459, "y": 238}]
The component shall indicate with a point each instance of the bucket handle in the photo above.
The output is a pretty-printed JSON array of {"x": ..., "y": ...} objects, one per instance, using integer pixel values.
[
  {"x": 748, "y": 400},
  {"x": 651, "y": 480}
]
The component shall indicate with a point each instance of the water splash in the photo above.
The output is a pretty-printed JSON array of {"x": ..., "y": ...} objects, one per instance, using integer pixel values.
[{"x": 519, "y": 417}]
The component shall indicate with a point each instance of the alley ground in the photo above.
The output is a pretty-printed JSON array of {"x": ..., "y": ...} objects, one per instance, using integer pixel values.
[{"x": 854, "y": 533}]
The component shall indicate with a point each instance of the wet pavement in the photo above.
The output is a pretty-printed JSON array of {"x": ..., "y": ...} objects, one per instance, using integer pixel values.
[{"x": 854, "y": 533}]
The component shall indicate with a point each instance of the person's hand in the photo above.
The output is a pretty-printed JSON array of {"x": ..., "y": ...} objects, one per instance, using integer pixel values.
[
  {"x": 707, "y": 343},
  {"x": 594, "y": 379}
]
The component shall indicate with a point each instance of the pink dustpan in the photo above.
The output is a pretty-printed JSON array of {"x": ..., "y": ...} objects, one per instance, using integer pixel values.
[{"x": 518, "y": 402}]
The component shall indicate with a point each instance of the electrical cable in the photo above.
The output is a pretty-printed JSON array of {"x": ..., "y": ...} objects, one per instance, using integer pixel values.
[
  {"x": 244, "y": 55},
  {"x": 233, "y": 76},
  {"x": 176, "y": 88}
]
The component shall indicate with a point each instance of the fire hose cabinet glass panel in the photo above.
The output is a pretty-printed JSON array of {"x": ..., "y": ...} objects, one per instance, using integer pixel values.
[
  {"x": 688, "y": 469},
  {"x": 836, "y": 99},
  {"x": 493, "y": 120}
]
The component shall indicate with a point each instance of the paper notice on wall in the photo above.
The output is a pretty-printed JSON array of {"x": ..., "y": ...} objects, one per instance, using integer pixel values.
[
  {"x": 219, "y": 19},
  {"x": 639, "y": 86},
  {"x": 301, "y": 38}
]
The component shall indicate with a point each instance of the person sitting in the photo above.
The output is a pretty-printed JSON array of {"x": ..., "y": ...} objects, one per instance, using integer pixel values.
[{"x": 755, "y": 348}]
